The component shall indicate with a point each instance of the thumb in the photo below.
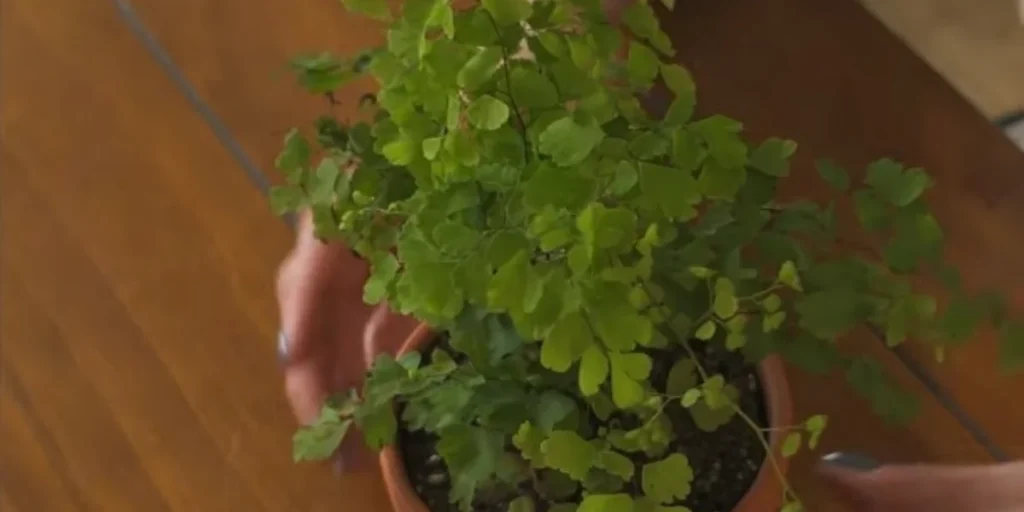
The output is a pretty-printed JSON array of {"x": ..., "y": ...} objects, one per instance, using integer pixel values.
[{"x": 866, "y": 487}]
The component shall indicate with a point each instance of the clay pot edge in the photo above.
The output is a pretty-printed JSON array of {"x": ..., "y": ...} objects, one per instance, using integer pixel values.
[{"x": 763, "y": 496}]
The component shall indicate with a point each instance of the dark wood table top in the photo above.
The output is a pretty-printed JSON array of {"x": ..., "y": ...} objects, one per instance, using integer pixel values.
[{"x": 138, "y": 313}]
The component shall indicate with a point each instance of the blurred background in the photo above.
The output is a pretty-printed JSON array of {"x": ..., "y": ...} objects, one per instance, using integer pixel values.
[{"x": 137, "y": 366}]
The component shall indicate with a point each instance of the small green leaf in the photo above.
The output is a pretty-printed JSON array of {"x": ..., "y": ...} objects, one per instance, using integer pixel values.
[
  {"x": 722, "y": 136},
  {"x": 898, "y": 187},
  {"x": 487, "y": 113},
  {"x": 791, "y": 444},
  {"x": 401, "y": 151},
  {"x": 532, "y": 90},
  {"x": 682, "y": 377},
  {"x": 871, "y": 212},
  {"x": 379, "y": 427},
  {"x": 508, "y": 12},
  {"x": 325, "y": 182},
  {"x": 714, "y": 392},
  {"x": 320, "y": 440},
  {"x": 453, "y": 112},
  {"x": 691, "y": 397},
  {"x": 626, "y": 372},
  {"x": 471, "y": 455},
  {"x": 384, "y": 267},
  {"x": 772, "y": 157},
  {"x": 479, "y": 68},
  {"x": 735, "y": 341},
  {"x": 295, "y": 154},
  {"x": 624, "y": 180},
  {"x": 725, "y": 304},
  {"x": 831, "y": 312},
  {"x": 566, "y": 343},
  {"x": 616, "y": 464},
  {"x": 815, "y": 426},
  {"x": 707, "y": 331},
  {"x": 593, "y": 370},
  {"x": 551, "y": 408},
  {"x": 789, "y": 276},
  {"x": 431, "y": 146},
  {"x": 581, "y": 52},
  {"x": 648, "y": 146},
  {"x": 721, "y": 182},
  {"x": 678, "y": 79},
  {"x": 701, "y": 272},
  {"x": 834, "y": 175},
  {"x": 507, "y": 289},
  {"x": 569, "y": 453},
  {"x": 286, "y": 198},
  {"x": 772, "y": 321},
  {"x": 673, "y": 191},
  {"x": 715, "y": 410},
  {"x": 668, "y": 480},
  {"x": 528, "y": 440},
  {"x": 568, "y": 142},
  {"x": 771, "y": 303},
  {"x": 643, "y": 64}
]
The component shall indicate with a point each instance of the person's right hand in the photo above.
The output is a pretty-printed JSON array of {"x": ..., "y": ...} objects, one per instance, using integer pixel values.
[
  {"x": 330, "y": 334},
  {"x": 924, "y": 488}
]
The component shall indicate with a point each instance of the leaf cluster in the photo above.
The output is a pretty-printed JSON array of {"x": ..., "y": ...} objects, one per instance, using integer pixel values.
[{"x": 508, "y": 188}]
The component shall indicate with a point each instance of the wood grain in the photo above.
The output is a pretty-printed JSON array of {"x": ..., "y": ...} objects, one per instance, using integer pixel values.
[{"x": 139, "y": 317}]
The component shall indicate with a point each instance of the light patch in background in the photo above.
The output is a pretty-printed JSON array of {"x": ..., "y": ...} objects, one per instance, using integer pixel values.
[{"x": 1015, "y": 130}]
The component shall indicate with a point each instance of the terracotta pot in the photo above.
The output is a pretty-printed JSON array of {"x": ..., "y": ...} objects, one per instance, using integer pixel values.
[{"x": 763, "y": 496}]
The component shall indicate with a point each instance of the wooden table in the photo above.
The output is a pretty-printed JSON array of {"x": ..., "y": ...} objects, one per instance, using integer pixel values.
[{"x": 138, "y": 315}]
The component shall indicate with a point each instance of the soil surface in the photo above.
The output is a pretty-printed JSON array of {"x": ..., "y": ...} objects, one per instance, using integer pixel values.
[{"x": 725, "y": 462}]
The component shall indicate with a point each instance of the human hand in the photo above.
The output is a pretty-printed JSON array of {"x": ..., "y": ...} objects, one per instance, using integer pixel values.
[
  {"x": 324, "y": 326},
  {"x": 865, "y": 487}
]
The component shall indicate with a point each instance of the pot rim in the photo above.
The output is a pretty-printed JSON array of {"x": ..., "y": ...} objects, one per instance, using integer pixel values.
[{"x": 762, "y": 496}]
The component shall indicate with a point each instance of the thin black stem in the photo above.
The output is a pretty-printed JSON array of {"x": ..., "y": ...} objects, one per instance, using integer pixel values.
[{"x": 506, "y": 60}]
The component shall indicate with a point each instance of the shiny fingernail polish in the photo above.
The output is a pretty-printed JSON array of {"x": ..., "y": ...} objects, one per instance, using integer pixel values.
[
  {"x": 850, "y": 461},
  {"x": 282, "y": 348}
]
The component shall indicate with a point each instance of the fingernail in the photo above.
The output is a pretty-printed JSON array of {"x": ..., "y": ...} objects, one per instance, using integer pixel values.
[
  {"x": 338, "y": 466},
  {"x": 282, "y": 348},
  {"x": 850, "y": 461}
]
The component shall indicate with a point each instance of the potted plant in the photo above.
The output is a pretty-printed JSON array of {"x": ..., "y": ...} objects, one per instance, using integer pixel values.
[{"x": 605, "y": 293}]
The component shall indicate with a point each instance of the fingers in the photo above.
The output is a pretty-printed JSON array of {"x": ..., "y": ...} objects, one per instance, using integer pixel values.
[
  {"x": 386, "y": 332},
  {"x": 306, "y": 390},
  {"x": 307, "y": 285},
  {"x": 910, "y": 488}
]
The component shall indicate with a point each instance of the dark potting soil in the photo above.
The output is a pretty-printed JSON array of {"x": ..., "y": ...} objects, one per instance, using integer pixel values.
[{"x": 725, "y": 462}]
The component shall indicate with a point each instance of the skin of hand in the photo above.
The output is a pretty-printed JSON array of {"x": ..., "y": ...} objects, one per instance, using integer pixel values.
[
  {"x": 924, "y": 488},
  {"x": 328, "y": 326}
]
